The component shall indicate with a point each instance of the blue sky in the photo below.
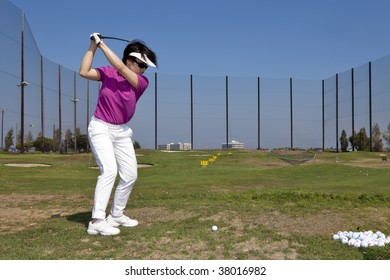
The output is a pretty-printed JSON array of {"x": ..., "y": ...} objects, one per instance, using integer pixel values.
[
  {"x": 279, "y": 39},
  {"x": 275, "y": 40}
]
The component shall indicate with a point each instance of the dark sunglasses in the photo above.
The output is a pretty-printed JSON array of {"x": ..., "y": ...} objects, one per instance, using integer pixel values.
[{"x": 140, "y": 64}]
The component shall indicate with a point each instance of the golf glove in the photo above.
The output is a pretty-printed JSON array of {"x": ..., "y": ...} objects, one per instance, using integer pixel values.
[{"x": 96, "y": 37}]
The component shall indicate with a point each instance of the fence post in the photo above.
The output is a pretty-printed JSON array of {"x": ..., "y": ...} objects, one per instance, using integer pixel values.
[
  {"x": 353, "y": 107},
  {"x": 227, "y": 112},
  {"x": 22, "y": 84},
  {"x": 59, "y": 111},
  {"x": 192, "y": 112},
  {"x": 155, "y": 111},
  {"x": 75, "y": 100},
  {"x": 2, "y": 128},
  {"x": 42, "y": 109},
  {"x": 337, "y": 112},
  {"x": 291, "y": 114},
  {"x": 323, "y": 115},
  {"x": 87, "y": 113},
  {"x": 258, "y": 113},
  {"x": 370, "y": 101}
]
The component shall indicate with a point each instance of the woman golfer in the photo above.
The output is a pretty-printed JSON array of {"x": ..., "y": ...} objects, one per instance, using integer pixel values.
[{"x": 123, "y": 84}]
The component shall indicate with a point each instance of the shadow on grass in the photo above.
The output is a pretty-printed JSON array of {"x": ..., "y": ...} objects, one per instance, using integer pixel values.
[{"x": 81, "y": 218}]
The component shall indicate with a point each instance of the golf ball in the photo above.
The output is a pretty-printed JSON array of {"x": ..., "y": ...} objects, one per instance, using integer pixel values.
[
  {"x": 214, "y": 228},
  {"x": 357, "y": 243}
]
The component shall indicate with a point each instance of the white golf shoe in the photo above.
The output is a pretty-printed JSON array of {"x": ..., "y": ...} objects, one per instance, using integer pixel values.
[
  {"x": 121, "y": 221},
  {"x": 103, "y": 228}
]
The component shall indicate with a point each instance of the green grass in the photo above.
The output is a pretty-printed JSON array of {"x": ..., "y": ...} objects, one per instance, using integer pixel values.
[{"x": 264, "y": 208}]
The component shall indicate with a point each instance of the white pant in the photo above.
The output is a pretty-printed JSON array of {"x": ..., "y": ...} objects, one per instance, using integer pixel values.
[{"x": 114, "y": 151}]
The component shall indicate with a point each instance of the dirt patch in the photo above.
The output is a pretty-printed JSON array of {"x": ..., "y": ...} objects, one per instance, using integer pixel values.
[
  {"x": 22, "y": 211},
  {"x": 323, "y": 223},
  {"x": 151, "y": 215},
  {"x": 229, "y": 217}
]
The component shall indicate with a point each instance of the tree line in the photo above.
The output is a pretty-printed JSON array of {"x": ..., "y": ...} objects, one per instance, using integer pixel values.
[
  {"x": 44, "y": 144},
  {"x": 73, "y": 142},
  {"x": 361, "y": 142}
]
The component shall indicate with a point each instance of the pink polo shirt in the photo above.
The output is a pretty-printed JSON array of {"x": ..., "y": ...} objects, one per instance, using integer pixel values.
[{"x": 117, "y": 98}]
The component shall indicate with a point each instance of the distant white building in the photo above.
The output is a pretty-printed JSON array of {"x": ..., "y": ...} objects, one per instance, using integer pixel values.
[
  {"x": 233, "y": 145},
  {"x": 181, "y": 147},
  {"x": 175, "y": 147},
  {"x": 164, "y": 147}
]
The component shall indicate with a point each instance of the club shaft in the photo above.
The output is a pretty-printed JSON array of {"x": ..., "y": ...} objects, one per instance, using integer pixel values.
[{"x": 114, "y": 38}]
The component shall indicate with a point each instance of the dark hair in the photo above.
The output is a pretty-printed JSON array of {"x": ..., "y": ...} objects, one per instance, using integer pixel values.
[{"x": 140, "y": 47}]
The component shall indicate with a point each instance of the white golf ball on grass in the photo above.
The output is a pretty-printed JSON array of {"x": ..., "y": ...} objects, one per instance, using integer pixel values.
[
  {"x": 351, "y": 242},
  {"x": 214, "y": 228},
  {"x": 357, "y": 243}
]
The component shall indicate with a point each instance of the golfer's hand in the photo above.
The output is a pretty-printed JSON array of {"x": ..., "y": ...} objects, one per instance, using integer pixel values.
[{"x": 96, "y": 37}]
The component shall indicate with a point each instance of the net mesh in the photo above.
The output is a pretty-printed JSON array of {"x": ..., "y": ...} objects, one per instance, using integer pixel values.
[{"x": 294, "y": 156}]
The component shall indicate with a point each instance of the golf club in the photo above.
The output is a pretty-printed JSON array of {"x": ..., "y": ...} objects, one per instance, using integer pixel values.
[{"x": 112, "y": 38}]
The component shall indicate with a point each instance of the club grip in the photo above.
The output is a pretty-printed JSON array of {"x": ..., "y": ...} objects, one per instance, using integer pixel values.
[{"x": 100, "y": 36}]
